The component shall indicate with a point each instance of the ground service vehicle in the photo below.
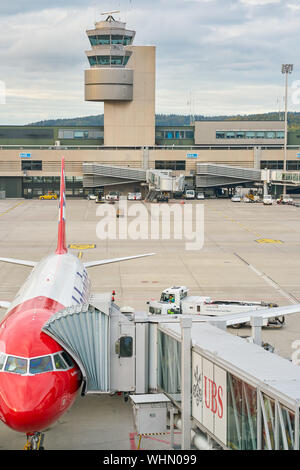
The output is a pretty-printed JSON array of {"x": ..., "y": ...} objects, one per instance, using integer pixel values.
[
  {"x": 267, "y": 200},
  {"x": 236, "y": 198},
  {"x": 190, "y": 194},
  {"x": 175, "y": 300},
  {"x": 112, "y": 196},
  {"x": 49, "y": 195}
]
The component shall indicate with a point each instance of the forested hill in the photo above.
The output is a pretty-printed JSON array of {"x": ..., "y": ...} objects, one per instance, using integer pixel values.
[{"x": 175, "y": 119}]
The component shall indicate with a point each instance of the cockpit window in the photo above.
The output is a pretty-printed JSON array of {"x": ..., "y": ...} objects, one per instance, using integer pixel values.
[
  {"x": 59, "y": 363},
  {"x": 2, "y": 360},
  {"x": 68, "y": 359},
  {"x": 40, "y": 365},
  {"x": 16, "y": 365}
]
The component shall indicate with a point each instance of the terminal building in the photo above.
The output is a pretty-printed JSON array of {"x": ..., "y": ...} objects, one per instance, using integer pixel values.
[{"x": 122, "y": 76}]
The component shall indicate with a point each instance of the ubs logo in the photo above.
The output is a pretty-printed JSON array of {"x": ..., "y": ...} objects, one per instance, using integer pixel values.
[
  {"x": 213, "y": 397},
  {"x": 197, "y": 387}
]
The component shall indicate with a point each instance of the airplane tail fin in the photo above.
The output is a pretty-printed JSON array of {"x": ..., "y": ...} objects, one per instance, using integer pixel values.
[{"x": 61, "y": 241}]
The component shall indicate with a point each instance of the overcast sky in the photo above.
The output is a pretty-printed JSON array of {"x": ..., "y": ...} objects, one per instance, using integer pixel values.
[{"x": 213, "y": 56}]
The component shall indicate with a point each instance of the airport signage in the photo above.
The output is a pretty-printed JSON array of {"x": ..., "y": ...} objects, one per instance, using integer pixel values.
[
  {"x": 192, "y": 155},
  {"x": 25, "y": 155},
  {"x": 209, "y": 396}
]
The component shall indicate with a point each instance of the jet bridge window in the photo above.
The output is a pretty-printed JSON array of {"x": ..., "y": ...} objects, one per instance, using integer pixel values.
[
  {"x": 40, "y": 365},
  {"x": 124, "y": 346},
  {"x": 16, "y": 365}
]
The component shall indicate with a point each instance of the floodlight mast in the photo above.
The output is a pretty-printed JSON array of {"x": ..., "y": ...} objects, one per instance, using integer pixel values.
[{"x": 286, "y": 69}]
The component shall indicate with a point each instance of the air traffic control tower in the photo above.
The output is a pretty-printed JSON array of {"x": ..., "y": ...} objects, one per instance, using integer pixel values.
[{"x": 123, "y": 77}]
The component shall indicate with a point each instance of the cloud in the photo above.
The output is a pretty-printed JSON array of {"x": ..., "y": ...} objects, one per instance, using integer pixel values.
[
  {"x": 226, "y": 53},
  {"x": 259, "y": 2}
]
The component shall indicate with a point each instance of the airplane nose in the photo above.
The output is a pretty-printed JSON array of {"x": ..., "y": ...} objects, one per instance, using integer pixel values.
[{"x": 32, "y": 403}]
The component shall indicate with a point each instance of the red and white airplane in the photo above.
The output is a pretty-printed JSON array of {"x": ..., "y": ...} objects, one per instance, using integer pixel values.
[{"x": 38, "y": 380}]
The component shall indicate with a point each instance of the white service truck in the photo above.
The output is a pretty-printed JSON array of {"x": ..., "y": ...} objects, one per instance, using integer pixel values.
[{"x": 176, "y": 301}]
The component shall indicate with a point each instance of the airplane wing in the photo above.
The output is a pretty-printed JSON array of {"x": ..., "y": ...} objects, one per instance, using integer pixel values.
[
  {"x": 244, "y": 317},
  {"x": 19, "y": 261},
  {"x": 89, "y": 264}
]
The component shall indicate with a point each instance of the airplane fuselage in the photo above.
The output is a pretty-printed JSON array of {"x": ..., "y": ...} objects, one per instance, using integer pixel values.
[{"x": 37, "y": 385}]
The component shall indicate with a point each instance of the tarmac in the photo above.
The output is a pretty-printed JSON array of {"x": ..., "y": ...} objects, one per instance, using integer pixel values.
[{"x": 250, "y": 252}]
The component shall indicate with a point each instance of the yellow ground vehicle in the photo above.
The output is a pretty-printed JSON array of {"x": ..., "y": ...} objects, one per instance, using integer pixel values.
[{"x": 49, "y": 195}]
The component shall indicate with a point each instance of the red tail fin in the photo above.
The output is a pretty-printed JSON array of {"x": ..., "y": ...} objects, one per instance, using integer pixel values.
[{"x": 61, "y": 242}]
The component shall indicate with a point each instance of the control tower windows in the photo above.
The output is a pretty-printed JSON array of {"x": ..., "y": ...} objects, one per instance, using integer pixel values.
[
  {"x": 116, "y": 39},
  {"x": 260, "y": 135},
  {"x": 93, "y": 60},
  {"x": 220, "y": 135},
  {"x": 240, "y": 135},
  {"x": 127, "y": 40},
  {"x": 230, "y": 135},
  {"x": 103, "y": 40},
  {"x": 103, "y": 60},
  {"x": 250, "y": 135},
  {"x": 99, "y": 40},
  {"x": 99, "y": 60},
  {"x": 117, "y": 60},
  {"x": 271, "y": 135}
]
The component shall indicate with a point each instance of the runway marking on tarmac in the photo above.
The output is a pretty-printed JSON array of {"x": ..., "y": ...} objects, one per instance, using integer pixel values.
[
  {"x": 269, "y": 281},
  {"x": 260, "y": 239},
  {"x": 11, "y": 208},
  {"x": 268, "y": 240},
  {"x": 81, "y": 246}
]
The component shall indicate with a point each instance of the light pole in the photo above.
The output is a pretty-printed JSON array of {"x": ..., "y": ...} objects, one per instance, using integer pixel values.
[{"x": 286, "y": 69}]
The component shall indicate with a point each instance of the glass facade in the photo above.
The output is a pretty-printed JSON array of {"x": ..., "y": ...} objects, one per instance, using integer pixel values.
[
  {"x": 249, "y": 134},
  {"x": 36, "y": 186},
  {"x": 26, "y": 133},
  {"x": 174, "y": 134},
  {"x": 253, "y": 420},
  {"x": 170, "y": 164},
  {"x": 241, "y": 415},
  {"x": 32, "y": 165},
  {"x": 97, "y": 60},
  {"x": 103, "y": 40},
  {"x": 169, "y": 366},
  {"x": 80, "y": 134},
  {"x": 291, "y": 165}
]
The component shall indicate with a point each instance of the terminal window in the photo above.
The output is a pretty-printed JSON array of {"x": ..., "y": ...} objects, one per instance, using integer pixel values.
[
  {"x": 291, "y": 165},
  {"x": 80, "y": 134},
  {"x": 178, "y": 134},
  {"x": 170, "y": 165},
  {"x": 249, "y": 134},
  {"x": 32, "y": 165}
]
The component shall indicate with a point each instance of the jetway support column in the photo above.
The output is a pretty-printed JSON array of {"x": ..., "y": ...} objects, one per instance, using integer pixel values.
[
  {"x": 256, "y": 325},
  {"x": 186, "y": 364}
]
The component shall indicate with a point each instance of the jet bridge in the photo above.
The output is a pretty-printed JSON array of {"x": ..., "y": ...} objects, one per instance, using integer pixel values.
[
  {"x": 243, "y": 401},
  {"x": 101, "y": 340}
]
